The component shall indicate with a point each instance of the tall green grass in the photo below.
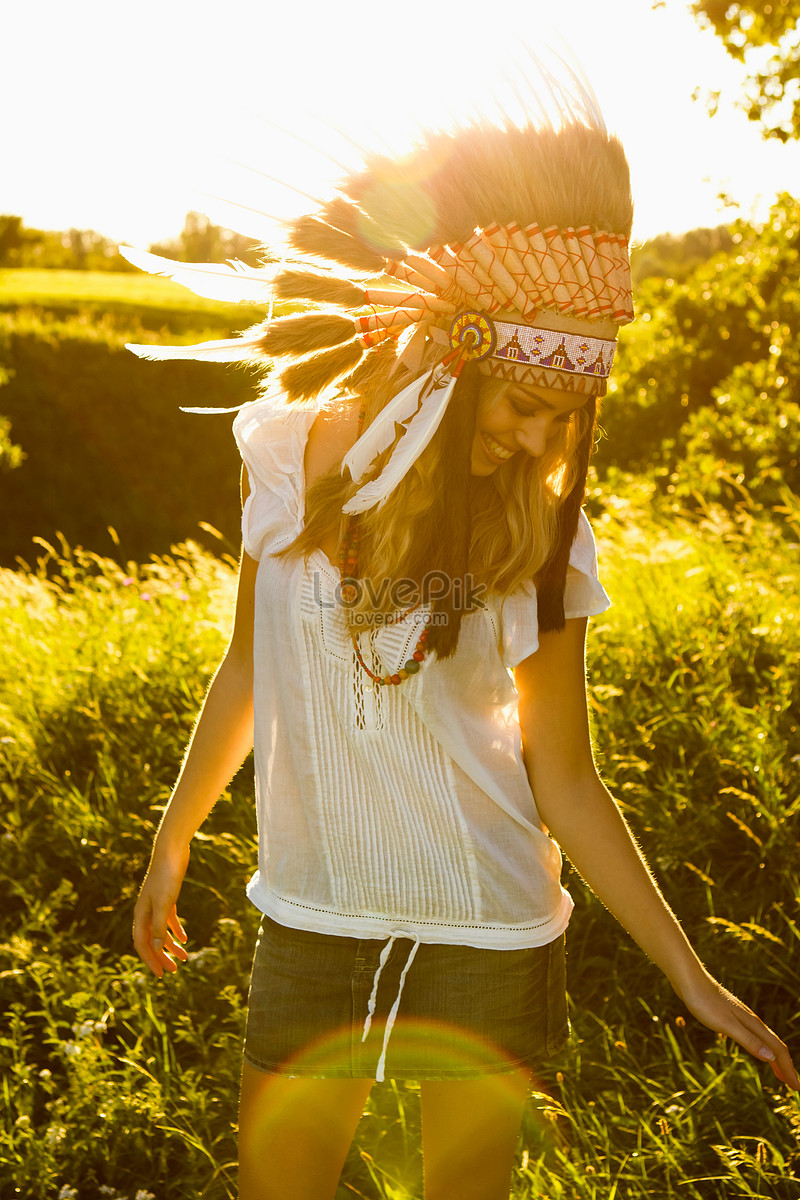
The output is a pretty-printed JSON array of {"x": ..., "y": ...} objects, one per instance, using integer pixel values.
[{"x": 115, "y": 1084}]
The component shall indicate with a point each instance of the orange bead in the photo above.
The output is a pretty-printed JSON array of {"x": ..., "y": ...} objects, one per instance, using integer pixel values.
[{"x": 419, "y": 655}]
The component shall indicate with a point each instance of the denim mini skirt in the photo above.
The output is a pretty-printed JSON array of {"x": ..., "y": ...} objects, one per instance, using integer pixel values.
[{"x": 329, "y": 1007}]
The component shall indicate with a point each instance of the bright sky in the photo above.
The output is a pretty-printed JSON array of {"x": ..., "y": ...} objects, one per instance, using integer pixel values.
[{"x": 116, "y": 114}]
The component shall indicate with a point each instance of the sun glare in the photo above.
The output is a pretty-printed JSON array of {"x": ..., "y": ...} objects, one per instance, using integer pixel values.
[{"x": 268, "y": 109}]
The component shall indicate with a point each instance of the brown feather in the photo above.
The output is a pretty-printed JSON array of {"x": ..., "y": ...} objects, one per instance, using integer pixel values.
[
  {"x": 572, "y": 176},
  {"x": 321, "y": 289},
  {"x": 310, "y": 235},
  {"x": 374, "y": 234},
  {"x": 305, "y": 380},
  {"x": 373, "y": 371},
  {"x": 301, "y": 335}
]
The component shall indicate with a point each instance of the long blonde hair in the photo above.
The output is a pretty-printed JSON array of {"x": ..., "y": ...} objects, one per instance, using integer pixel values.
[{"x": 502, "y": 530}]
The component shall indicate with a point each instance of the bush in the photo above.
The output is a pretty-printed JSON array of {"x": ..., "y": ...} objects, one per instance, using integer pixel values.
[{"x": 102, "y": 432}]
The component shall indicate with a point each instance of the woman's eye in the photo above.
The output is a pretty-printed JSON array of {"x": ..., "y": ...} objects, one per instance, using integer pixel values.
[{"x": 523, "y": 410}]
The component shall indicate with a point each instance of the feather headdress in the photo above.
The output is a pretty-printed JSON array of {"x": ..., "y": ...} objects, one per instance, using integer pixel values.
[{"x": 508, "y": 246}]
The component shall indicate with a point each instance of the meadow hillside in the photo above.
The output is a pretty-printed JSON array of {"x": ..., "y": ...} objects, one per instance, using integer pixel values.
[{"x": 104, "y": 438}]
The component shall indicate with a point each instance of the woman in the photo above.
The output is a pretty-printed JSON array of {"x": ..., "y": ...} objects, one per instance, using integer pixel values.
[{"x": 409, "y": 881}]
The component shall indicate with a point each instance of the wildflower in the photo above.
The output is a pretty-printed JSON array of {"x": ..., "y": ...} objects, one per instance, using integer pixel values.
[
  {"x": 680, "y": 1022},
  {"x": 67, "y": 1193},
  {"x": 127, "y": 581},
  {"x": 55, "y": 1134},
  {"x": 71, "y": 1049},
  {"x": 143, "y": 1195},
  {"x": 145, "y": 596},
  {"x": 105, "y": 1190}
]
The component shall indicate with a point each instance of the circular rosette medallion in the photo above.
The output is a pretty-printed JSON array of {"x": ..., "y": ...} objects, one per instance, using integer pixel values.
[{"x": 473, "y": 334}]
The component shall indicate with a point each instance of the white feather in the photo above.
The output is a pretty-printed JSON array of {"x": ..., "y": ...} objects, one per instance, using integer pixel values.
[
  {"x": 381, "y": 433},
  {"x": 211, "y": 411},
  {"x": 419, "y": 431},
  {"x": 233, "y": 283},
  {"x": 238, "y": 349}
]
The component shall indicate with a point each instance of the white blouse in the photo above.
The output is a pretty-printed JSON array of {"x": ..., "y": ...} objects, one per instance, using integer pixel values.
[{"x": 391, "y": 811}]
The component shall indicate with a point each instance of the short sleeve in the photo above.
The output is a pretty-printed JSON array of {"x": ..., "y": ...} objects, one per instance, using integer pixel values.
[
  {"x": 584, "y": 596},
  {"x": 272, "y": 438}
]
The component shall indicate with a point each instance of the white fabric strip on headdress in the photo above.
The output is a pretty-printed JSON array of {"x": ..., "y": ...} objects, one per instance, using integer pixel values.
[{"x": 420, "y": 408}]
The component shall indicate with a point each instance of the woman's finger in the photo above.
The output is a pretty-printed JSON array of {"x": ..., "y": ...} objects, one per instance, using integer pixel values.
[
  {"x": 725, "y": 1014},
  {"x": 176, "y": 925}
]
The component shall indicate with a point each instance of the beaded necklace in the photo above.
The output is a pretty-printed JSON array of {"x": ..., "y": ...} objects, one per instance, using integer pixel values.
[
  {"x": 348, "y": 572},
  {"x": 348, "y": 566}
]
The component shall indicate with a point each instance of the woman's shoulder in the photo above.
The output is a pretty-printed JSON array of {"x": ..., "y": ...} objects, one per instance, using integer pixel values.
[{"x": 331, "y": 434}]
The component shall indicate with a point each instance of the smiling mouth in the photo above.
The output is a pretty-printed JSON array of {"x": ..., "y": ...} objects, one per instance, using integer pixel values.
[{"x": 495, "y": 449}]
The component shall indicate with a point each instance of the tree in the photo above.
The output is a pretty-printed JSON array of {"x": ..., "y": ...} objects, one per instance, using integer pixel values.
[
  {"x": 203, "y": 241},
  {"x": 772, "y": 89},
  {"x": 16, "y": 241}
]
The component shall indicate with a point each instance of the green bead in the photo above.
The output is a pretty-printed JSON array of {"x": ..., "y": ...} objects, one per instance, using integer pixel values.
[{"x": 412, "y": 666}]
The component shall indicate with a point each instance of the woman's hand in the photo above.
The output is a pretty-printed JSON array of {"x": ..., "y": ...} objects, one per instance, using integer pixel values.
[
  {"x": 158, "y": 934},
  {"x": 714, "y": 1005}
]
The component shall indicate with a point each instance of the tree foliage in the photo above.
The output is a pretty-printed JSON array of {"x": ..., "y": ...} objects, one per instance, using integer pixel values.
[
  {"x": 69, "y": 249},
  {"x": 201, "y": 240},
  {"x": 772, "y": 89},
  {"x": 706, "y": 399}
]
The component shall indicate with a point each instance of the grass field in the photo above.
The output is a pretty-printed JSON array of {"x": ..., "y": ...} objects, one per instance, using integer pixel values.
[
  {"x": 114, "y": 1084},
  {"x": 117, "y": 291},
  {"x": 118, "y": 1086}
]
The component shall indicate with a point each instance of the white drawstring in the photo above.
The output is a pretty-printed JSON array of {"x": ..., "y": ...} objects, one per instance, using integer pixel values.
[
  {"x": 379, "y": 1074},
  {"x": 373, "y": 999}
]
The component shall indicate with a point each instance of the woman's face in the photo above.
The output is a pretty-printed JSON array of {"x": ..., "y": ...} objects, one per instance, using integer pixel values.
[{"x": 517, "y": 418}]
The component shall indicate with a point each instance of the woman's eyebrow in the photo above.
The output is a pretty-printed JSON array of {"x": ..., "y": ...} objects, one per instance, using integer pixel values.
[{"x": 531, "y": 398}]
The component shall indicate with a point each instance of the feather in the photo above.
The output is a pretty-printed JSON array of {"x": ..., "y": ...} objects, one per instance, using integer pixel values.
[
  {"x": 321, "y": 289},
  {"x": 238, "y": 349},
  {"x": 314, "y": 237},
  {"x": 379, "y": 435},
  {"x": 429, "y": 397},
  {"x": 305, "y": 380},
  {"x": 212, "y": 411},
  {"x": 299, "y": 335},
  {"x": 233, "y": 283}
]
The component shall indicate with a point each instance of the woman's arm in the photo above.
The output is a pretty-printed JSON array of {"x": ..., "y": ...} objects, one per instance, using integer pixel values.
[
  {"x": 222, "y": 739},
  {"x": 585, "y": 821}
]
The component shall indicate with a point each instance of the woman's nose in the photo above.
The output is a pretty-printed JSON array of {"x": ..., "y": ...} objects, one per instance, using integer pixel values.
[{"x": 532, "y": 437}]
